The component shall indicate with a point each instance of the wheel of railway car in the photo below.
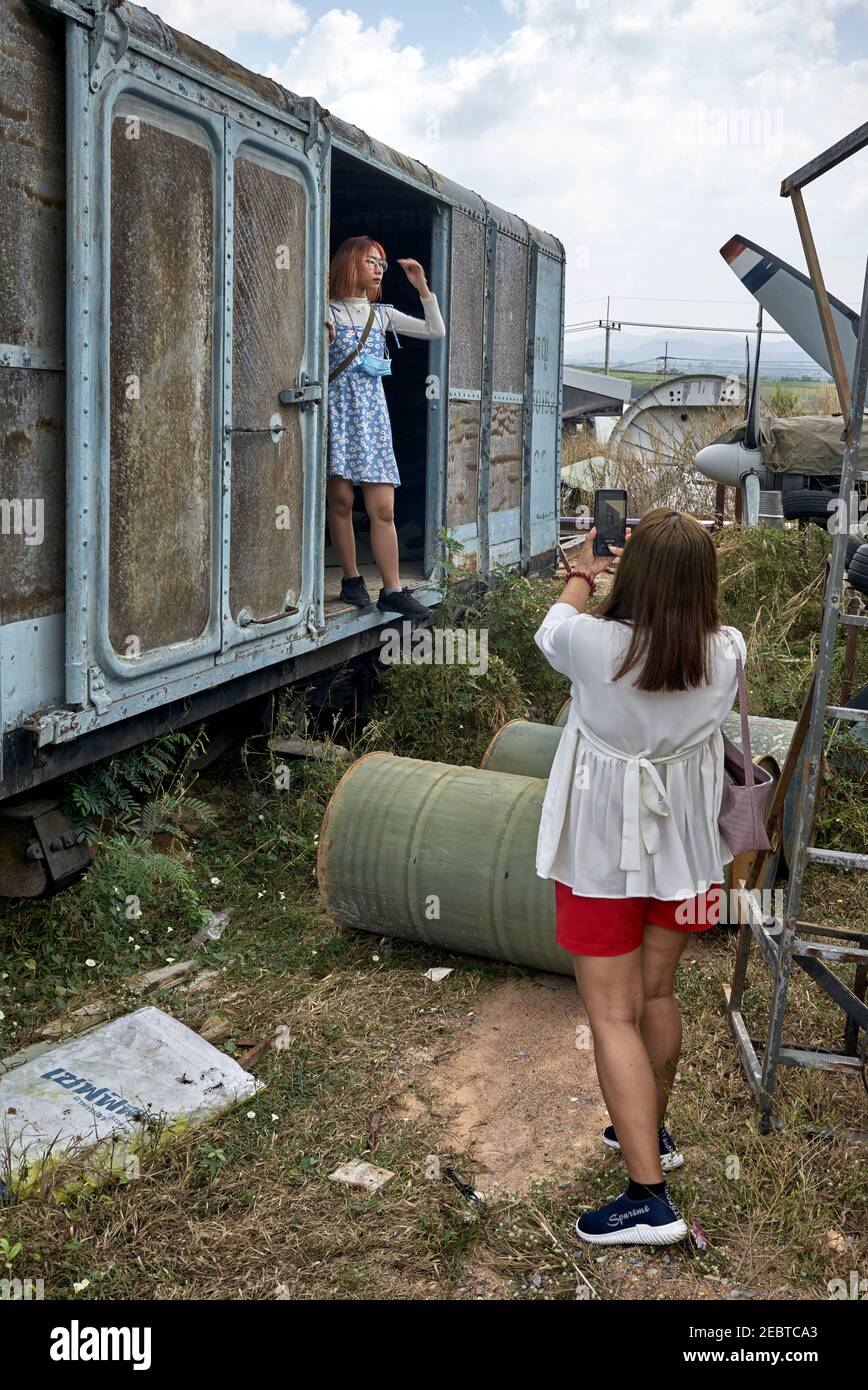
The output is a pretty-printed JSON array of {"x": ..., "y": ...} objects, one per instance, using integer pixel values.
[
  {"x": 804, "y": 504},
  {"x": 857, "y": 569}
]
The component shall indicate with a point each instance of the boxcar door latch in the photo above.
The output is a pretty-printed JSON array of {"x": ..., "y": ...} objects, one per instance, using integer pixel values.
[{"x": 303, "y": 395}]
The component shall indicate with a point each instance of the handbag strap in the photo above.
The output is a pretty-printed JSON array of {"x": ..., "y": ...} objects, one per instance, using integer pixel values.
[
  {"x": 742, "y": 709},
  {"x": 356, "y": 350}
]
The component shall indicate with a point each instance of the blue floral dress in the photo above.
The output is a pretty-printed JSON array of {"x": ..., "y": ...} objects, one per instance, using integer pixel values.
[{"x": 359, "y": 430}]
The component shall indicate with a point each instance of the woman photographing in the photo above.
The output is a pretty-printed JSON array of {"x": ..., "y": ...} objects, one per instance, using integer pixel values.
[
  {"x": 629, "y": 828},
  {"x": 360, "y": 446}
]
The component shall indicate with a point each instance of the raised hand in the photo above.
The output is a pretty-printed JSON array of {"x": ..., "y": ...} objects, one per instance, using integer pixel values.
[{"x": 414, "y": 273}]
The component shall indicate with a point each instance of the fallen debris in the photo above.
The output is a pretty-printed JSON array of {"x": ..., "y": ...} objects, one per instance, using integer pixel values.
[
  {"x": 91, "y": 1106},
  {"x": 307, "y": 748},
  {"x": 438, "y": 973},
  {"x": 249, "y": 1058},
  {"x": 374, "y": 1128},
  {"x": 166, "y": 974},
  {"x": 76, "y": 1021},
  {"x": 202, "y": 981},
  {"x": 470, "y": 1194},
  {"x": 357, "y": 1173},
  {"x": 216, "y": 1029},
  {"x": 213, "y": 929}
]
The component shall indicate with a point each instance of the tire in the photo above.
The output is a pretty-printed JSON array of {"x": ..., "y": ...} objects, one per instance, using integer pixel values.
[
  {"x": 804, "y": 504},
  {"x": 857, "y": 570}
]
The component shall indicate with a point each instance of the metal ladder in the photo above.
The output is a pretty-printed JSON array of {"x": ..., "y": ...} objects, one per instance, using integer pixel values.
[{"x": 779, "y": 940}]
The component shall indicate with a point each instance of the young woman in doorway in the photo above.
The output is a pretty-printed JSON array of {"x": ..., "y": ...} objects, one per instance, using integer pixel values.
[
  {"x": 360, "y": 449},
  {"x": 633, "y": 842}
]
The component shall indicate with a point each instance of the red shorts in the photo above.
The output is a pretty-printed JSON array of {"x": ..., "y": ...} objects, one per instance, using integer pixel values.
[{"x": 614, "y": 926}]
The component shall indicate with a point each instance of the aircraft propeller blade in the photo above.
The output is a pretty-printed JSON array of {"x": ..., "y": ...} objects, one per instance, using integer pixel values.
[
  {"x": 786, "y": 295},
  {"x": 751, "y": 434}
]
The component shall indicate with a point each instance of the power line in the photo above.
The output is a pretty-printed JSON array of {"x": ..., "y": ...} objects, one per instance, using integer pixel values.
[
  {"x": 588, "y": 324},
  {"x": 661, "y": 299}
]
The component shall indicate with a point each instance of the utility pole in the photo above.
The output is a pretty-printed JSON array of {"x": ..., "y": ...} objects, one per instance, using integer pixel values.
[
  {"x": 664, "y": 360},
  {"x": 609, "y": 326}
]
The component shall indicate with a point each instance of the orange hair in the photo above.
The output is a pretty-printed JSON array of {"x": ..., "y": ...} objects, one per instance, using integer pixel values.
[{"x": 346, "y": 263}]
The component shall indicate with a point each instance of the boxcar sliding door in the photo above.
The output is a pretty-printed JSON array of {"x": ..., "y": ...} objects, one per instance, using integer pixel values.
[
  {"x": 509, "y": 348},
  {"x": 541, "y": 491},
  {"x": 194, "y": 408}
]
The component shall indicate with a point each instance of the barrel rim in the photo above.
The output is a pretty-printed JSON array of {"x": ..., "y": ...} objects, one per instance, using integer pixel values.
[{"x": 321, "y": 853}]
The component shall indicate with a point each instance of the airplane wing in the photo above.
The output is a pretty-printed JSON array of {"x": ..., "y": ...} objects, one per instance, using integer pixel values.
[{"x": 786, "y": 294}]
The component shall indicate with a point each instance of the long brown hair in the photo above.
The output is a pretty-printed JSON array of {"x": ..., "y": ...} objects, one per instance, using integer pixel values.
[
  {"x": 345, "y": 265},
  {"x": 666, "y": 586}
]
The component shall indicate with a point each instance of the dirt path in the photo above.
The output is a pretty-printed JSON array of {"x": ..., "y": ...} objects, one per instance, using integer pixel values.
[{"x": 517, "y": 1091}]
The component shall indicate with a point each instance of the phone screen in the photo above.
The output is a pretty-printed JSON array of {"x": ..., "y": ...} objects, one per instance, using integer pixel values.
[{"x": 610, "y": 519}]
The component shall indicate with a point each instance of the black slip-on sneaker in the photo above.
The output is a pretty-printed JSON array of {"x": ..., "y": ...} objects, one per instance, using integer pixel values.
[
  {"x": 355, "y": 591},
  {"x": 402, "y": 601}
]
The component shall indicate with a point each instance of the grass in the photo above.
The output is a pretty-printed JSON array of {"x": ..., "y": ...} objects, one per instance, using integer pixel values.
[{"x": 243, "y": 1208}]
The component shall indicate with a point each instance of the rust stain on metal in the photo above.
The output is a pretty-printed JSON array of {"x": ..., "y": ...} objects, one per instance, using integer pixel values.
[
  {"x": 160, "y": 385},
  {"x": 268, "y": 343},
  {"x": 462, "y": 462},
  {"x": 32, "y": 178},
  {"x": 505, "y": 469}
]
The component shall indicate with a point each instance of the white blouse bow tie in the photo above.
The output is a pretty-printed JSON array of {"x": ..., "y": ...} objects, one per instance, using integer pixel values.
[{"x": 645, "y": 798}]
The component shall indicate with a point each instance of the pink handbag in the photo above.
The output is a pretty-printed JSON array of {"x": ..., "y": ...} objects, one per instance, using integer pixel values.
[{"x": 746, "y": 787}]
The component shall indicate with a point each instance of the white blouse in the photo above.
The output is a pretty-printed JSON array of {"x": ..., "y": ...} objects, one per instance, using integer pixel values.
[
  {"x": 634, "y": 791},
  {"x": 356, "y": 310}
]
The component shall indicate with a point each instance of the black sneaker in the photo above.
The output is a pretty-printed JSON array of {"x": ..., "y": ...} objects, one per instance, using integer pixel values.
[
  {"x": 402, "y": 601},
  {"x": 355, "y": 591}
]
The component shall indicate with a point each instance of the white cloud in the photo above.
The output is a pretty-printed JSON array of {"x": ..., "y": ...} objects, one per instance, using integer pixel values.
[
  {"x": 643, "y": 137},
  {"x": 219, "y": 23}
]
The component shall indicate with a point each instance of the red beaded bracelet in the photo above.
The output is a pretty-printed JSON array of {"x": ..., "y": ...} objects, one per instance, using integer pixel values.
[{"x": 588, "y": 578}]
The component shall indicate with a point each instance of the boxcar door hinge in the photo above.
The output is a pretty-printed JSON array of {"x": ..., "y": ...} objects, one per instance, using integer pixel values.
[
  {"x": 96, "y": 689},
  {"x": 101, "y": 56},
  {"x": 311, "y": 623}
]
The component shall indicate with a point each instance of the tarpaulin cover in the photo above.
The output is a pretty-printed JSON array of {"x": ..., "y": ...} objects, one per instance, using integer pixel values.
[{"x": 809, "y": 444}]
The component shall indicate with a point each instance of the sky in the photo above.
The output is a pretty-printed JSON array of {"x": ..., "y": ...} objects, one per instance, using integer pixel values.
[{"x": 643, "y": 135}]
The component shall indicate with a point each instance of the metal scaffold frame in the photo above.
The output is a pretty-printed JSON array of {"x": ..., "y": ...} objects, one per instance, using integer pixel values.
[{"x": 780, "y": 941}]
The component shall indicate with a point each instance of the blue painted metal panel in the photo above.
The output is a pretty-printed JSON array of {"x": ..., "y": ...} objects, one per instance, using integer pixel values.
[
  {"x": 31, "y": 667},
  {"x": 545, "y": 426},
  {"x": 504, "y": 525}
]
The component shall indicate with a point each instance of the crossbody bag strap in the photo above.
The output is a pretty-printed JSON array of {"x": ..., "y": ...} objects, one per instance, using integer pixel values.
[
  {"x": 356, "y": 350},
  {"x": 742, "y": 709}
]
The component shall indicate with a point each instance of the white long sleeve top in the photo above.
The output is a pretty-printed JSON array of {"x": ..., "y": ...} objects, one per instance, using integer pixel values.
[
  {"x": 356, "y": 311},
  {"x": 635, "y": 788}
]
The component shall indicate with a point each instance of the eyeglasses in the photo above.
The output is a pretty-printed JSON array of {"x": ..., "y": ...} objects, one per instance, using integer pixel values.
[{"x": 375, "y": 261}]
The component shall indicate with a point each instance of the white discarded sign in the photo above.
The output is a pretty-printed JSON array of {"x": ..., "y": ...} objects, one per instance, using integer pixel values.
[{"x": 107, "y": 1090}]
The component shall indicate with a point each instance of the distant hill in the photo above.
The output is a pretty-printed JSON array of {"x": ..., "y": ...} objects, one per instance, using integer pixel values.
[{"x": 709, "y": 352}]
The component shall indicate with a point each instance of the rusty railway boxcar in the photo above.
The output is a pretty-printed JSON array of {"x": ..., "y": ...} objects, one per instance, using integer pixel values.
[{"x": 166, "y": 223}]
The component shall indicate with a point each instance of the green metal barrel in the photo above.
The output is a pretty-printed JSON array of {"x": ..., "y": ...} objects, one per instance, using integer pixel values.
[
  {"x": 523, "y": 747},
  {"x": 440, "y": 854}
]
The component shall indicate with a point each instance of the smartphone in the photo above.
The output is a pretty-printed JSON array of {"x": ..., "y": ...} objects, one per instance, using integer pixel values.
[{"x": 610, "y": 519}]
